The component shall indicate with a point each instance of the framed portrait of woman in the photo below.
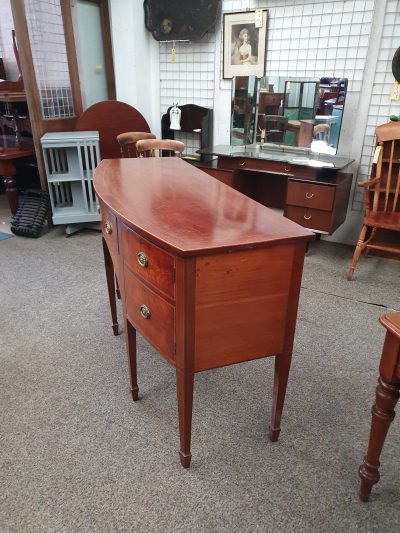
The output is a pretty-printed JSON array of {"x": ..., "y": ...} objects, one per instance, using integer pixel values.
[{"x": 245, "y": 42}]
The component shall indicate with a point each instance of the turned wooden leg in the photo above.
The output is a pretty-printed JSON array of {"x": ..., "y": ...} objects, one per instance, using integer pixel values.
[
  {"x": 184, "y": 389},
  {"x": 282, "y": 367},
  {"x": 111, "y": 286},
  {"x": 370, "y": 240},
  {"x": 382, "y": 416},
  {"x": 357, "y": 253},
  {"x": 10, "y": 185},
  {"x": 130, "y": 339}
]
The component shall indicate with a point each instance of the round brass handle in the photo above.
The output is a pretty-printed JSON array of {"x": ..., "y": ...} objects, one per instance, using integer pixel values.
[
  {"x": 108, "y": 228},
  {"x": 142, "y": 259},
  {"x": 287, "y": 168},
  {"x": 145, "y": 312},
  {"x": 307, "y": 217},
  {"x": 242, "y": 164},
  {"x": 309, "y": 195}
]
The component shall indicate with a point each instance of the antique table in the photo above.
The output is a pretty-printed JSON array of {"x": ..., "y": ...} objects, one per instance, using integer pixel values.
[{"x": 208, "y": 276}]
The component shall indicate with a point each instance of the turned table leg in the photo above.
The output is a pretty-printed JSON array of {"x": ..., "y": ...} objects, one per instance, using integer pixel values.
[
  {"x": 282, "y": 367},
  {"x": 111, "y": 286},
  {"x": 184, "y": 388},
  {"x": 130, "y": 339},
  {"x": 382, "y": 416}
]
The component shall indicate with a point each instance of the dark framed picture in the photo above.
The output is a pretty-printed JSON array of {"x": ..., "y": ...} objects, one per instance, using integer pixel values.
[{"x": 245, "y": 42}]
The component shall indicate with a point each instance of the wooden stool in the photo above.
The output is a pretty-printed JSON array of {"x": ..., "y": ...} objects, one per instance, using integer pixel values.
[{"x": 387, "y": 394}]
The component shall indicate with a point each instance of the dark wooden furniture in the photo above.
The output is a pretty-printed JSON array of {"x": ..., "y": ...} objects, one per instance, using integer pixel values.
[
  {"x": 311, "y": 188},
  {"x": 208, "y": 276},
  {"x": 194, "y": 119},
  {"x": 110, "y": 118},
  {"x": 387, "y": 394},
  {"x": 381, "y": 195},
  {"x": 12, "y": 155}
]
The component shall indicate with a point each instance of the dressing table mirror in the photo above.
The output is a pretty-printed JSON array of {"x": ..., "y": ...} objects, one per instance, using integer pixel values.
[
  {"x": 244, "y": 103},
  {"x": 301, "y": 112}
]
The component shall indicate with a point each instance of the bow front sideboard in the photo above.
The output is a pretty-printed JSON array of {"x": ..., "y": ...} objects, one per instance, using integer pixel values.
[{"x": 208, "y": 276}]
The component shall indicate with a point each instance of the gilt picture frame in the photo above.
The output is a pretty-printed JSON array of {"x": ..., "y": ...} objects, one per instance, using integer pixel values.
[{"x": 244, "y": 43}]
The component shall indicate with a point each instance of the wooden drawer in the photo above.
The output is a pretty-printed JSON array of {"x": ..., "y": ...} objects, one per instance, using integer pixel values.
[
  {"x": 109, "y": 227},
  {"x": 158, "y": 326},
  {"x": 148, "y": 261},
  {"x": 238, "y": 163},
  {"x": 310, "y": 195},
  {"x": 314, "y": 219}
]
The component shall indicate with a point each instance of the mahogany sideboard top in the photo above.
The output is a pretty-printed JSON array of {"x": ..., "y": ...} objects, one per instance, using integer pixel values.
[{"x": 208, "y": 276}]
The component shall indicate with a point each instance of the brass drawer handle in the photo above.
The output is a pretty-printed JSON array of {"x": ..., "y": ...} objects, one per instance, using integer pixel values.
[
  {"x": 242, "y": 164},
  {"x": 307, "y": 217},
  {"x": 108, "y": 228},
  {"x": 145, "y": 312},
  {"x": 287, "y": 168},
  {"x": 309, "y": 195},
  {"x": 142, "y": 259}
]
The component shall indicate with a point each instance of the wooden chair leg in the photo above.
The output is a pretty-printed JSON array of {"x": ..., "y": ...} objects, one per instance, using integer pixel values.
[
  {"x": 130, "y": 339},
  {"x": 371, "y": 239},
  {"x": 184, "y": 388},
  {"x": 382, "y": 416},
  {"x": 111, "y": 287},
  {"x": 282, "y": 367},
  {"x": 357, "y": 252}
]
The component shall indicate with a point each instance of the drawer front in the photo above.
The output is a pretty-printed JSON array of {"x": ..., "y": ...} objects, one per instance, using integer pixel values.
[
  {"x": 310, "y": 195},
  {"x": 109, "y": 228},
  {"x": 150, "y": 314},
  {"x": 314, "y": 219},
  {"x": 148, "y": 261},
  {"x": 238, "y": 163}
]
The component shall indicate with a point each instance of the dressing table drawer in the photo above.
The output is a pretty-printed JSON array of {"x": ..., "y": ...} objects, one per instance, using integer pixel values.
[
  {"x": 148, "y": 262},
  {"x": 150, "y": 314},
  {"x": 266, "y": 165},
  {"x": 315, "y": 219},
  {"x": 310, "y": 195},
  {"x": 109, "y": 228}
]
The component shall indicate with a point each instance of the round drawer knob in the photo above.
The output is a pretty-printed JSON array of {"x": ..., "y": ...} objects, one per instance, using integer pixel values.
[
  {"x": 108, "y": 228},
  {"x": 142, "y": 259},
  {"x": 287, "y": 168},
  {"x": 309, "y": 195},
  {"x": 145, "y": 312},
  {"x": 307, "y": 217}
]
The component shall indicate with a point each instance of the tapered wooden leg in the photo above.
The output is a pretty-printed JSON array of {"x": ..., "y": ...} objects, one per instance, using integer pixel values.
[
  {"x": 184, "y": 388},
  {"x": 357, "y": 253},
  {"x": 130, "y": 339},
  {"x": 370, "y": 240},
  {"x": 111, "y": 287},
  {"x": 382, "y": 416},
  {"x": 117, "y": 291},
  {"x": 282, "y": 367}
]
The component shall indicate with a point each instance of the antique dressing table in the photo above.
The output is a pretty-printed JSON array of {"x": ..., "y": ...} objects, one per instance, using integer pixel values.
[
  {"x": 312, "y": 189},
  {"x": 208, "y": 276}
]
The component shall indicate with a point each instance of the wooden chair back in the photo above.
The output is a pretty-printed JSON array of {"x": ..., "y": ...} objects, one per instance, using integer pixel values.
[
  {"x": 127, "y": 141},
  {"x": 164, "y": 147}
]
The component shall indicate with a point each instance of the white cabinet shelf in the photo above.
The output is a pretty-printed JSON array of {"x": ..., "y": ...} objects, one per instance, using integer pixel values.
[{"x": 70, "y": 159}]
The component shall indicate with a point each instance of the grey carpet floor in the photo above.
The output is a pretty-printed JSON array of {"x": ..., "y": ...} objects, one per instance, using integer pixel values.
[{"x": 76, "y": 454}]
